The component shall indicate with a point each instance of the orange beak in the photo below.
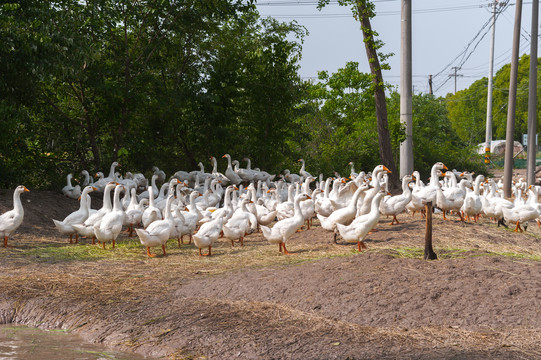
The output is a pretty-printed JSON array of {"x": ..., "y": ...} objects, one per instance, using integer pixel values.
[{"x": 26, "y": 190}]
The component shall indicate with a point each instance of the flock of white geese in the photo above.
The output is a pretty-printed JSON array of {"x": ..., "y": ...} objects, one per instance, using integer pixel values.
[{"x": 206, "y": 206}]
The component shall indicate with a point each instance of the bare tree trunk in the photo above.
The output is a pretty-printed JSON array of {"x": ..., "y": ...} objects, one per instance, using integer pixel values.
[{"x": 384, "y": 138}]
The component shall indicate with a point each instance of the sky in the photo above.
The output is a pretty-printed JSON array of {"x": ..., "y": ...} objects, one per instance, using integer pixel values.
[{"x": 445, "y": 34}]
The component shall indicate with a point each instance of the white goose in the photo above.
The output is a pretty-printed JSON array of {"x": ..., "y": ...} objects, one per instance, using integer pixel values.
[
  {"x": 523, "y": 213},
  {"x": 216, "y": 174},
  {"x": 286, "y": 209},
  {"x": 100, "y": 184},
  {"x": 263, "y": 214},
  {"x": 73, "y": 192},
  {"x": 189, "y": 223},
  {"x": 198, "y": 174},
  {"x": 227, "y": 210},
  {"x": 302, "y": 171},
  {"x": 308, "y": 208},
  {"x": 159, "y": 231},
  {"x": 243, "y": 214},
  {"x": 291, "y": 178},
  {"x": 342, "y": 216},
  {"x": 472, "y": 203},
  {"x": 377, "y": 175},
  {"x": 361, "y": 226},
  {"x": 395, "y": 205},
  {"x": 493, "y": 204},
  {"x": 87, "y": 227},
  {"x": 134, "y": 212},
  {"x": 151, "y": 213},
  {"x": 77, "y": 217},
  {"x": 453, "y": 198},
  {"x": 233, "y": 177},
  {"x": 145, "y": 194},
  {"x": 323, "y": 204},
  {"x": 428, "y": 193},
  {"x": 11, "y": 220},
  {"x": 208, "y": 233},
  {"x": 88, "y": 179},
  {"x": 247, "y": 175},
  {"x": 282, "y": 231},
  {"x": 110, "y": 225}
]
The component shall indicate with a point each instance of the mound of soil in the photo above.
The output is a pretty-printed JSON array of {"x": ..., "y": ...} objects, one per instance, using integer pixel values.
[{"x": 480, "y": 299}]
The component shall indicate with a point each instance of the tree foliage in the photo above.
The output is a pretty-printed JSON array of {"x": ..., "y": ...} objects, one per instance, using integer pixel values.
[
  {"x": 339, "y": 122},
  {"x": 434, "y": 138},
  {"x": 467, "y": 108},
  {"x": 152, "y": 82}
]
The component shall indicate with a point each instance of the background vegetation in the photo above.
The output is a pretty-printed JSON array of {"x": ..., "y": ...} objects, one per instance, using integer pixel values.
[{"x": 172, "y": 82}]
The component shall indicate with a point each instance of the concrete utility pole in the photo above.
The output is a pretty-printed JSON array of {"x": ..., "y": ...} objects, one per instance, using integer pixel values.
[
  {"x": 455, "y": 75},
  {"x": 512, "y": 103},
  {"x": 488, "y": 134},
  {"x": 532, "y": 96},
  {"x": 406, "y": 114}
]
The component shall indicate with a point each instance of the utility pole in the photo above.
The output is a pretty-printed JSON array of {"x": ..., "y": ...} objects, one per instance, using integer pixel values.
[
  {"x": 406, "y": 114},
  {"x": 488, "y": 134},
  {"x": 532, "y": 97},
  {"x": 455, "y": 75},
  {"x": 430, "y": 85},
  {"x": 512, "y": 103}
]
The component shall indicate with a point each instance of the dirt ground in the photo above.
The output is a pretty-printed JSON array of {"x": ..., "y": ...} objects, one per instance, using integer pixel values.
[{"x": 481, "y": 299}]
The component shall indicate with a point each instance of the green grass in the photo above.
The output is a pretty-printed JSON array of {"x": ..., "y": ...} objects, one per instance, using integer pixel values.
[
  {"x": 124, "y": 249},
  {"x": 451, "y": 253}
]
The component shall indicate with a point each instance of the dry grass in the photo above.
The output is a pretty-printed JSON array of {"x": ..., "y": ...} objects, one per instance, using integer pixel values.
[{"x": 451, "y": 239}]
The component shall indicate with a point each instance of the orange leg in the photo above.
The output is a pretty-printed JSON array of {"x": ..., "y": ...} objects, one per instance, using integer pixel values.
[
  {"x": 518, "y": 228},
  {"x": 5, "y": 241},
  {"x": 208, "y": 254},
  {"x": 280, "y": 247},
  {"x": 179, "y": 241},
  {"x": 163, "y": 248},
  {"x": 71, "y": 238},
  {"x": 103, "y": 243},
  {"x": 93, "y": 239},
  {"x": 77, "y": 238},
  {"x": 361, "y": 245},
  {"x": 232, "y": 243},
  {"x": 241, "y": 239},
  {"x": 444, "y": 218},
  {"x": 285, "y": 250},
  {"x": 148, "y": 252},
  {"x": 114, "y": 243}
]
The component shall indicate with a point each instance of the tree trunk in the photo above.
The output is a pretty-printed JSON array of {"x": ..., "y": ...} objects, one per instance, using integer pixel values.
[{"x": 384, "y": 138}]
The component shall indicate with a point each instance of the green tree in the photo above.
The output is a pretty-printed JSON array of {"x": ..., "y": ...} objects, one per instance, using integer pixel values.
[
  {"x": 467, "y": 108},
  {"x": 163, "y": 83},
  {"x": 339, "y": 124},
  {"x": 434, "y": 138},
  {"x": 364, "y": 10}
]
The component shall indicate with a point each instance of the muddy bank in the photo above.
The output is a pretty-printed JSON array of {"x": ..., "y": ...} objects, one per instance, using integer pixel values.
[{"x": 335, "y": 308}]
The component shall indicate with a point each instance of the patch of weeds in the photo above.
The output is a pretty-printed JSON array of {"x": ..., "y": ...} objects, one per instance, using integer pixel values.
[
  {"x": 513, "y": 255},
  {"x": 125, "y": 248}
]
